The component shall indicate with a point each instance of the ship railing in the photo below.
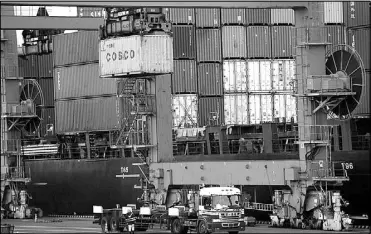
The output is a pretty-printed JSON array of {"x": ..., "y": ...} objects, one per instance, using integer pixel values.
[
  {"x": 285, "y": 145},
  {"x": 19, "y": 110},
  {"x": 134, "y": 137},
  {"x": 316, "y": 133},
  {"x": 189, "y": 148},
  {"x": 16, "y": 173},
  {"x": 258, "y": 206},
  {"x": 361, "y": 142},
  {"x": 336, "y": 169},
  {"x": 142, "y": 103},
  {"x": 12, "y": 146}
]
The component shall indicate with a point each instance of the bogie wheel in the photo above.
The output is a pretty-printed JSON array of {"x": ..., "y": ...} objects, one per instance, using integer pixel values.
[
  {"x": 114, "y": 225},
  {"x": 105, "y": 225},
  {"x": 177, "y": 227},
  {"x": 202, "y": 228}
]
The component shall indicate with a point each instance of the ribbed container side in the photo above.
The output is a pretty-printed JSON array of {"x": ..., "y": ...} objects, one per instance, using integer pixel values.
[
  {"x": 47, "y": 87},
  {"x": 28, "y": 66},
  {"x": 284, "y": 108},
  {"x": 184, "y": 78},
  {"x": 75, "y": 48},
  {"x": 356, "y": 13},
  {"x": 233, "y": 16},
  {"x": 185, "y": 110},
  {"x": 258, "y": 16},
  {"x": 45, "y": 65},
  {"x": 234, "y": 76},
  {"x": 282, "y": 17},
  {"x": 150, "y": 54},
  {"x": 259, "y": 42},
  {"x": 85, "y": 115},
  {"x": 360, "y": 40},
  {"x": 210, "y": 107},
  {"x": 208, "y": 45},
  {"x": 335, "y": 34},
  {"x": 260, "y": 108},
  {"x": 207, "y": 17},
  {"x": 333, "y": 13},
  {"x": 210, "y": 81},
  {"x": 363, "y": 108},
  {"x": 184, "y": 41},
  {"x": 259, "y": 75},
  {"x": 283, "y": 41},
  {"x": 90, "y": 12},
  {"x": 234, "y": 42},
  {"x": 182, "y": 15},
  {"x": 80, "y": 81},
  {"x": 283, "y": 73},
  {"x": 48, "y": 121},
  {"x": 236, "y": 109}
]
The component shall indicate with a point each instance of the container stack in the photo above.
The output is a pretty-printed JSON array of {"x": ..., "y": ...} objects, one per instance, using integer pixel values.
[{"x": 358, "y": 26}]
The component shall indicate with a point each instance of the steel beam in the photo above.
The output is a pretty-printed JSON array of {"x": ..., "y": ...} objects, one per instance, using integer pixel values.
[
  {"x": 173, "y": 3},
  {"x": 49, "y": 22}
]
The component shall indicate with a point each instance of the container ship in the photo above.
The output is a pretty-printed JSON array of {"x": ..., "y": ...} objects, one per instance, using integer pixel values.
[{"x": 231, "y": 92}]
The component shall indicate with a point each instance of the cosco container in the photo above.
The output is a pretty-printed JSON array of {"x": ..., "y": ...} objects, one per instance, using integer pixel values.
[
  {"x": 259, "y": 75},
  {"x": 28, "y": 66},
  {"x": 149, "y": 54},
  {"x": 184, "y": 78},
  {"x": 207, "y": 17},
  {"x": 236, "y": 109},
  {"x": 260, "y": 108},
  {"x": 211, "y": 111},
  {"x": 283, "y": 73},
  {"x": 80, "y": 81},
  {"x": 85, "y": 115},
  {"x": 234, "y": 42},
  {"x": 185, "y": 110},
  {"x": 333, "y": 13},
  {"x": 234, "y": 76},
  {"x": 335, "y": 34},
  {"x": 259, "y": 42},
  {"x": 233, "y": 16},
  {"x": 45, "y": 65},
  {"x": 184, "y": 42},
  {"x": 182, "y": 15},
  {"x": 356, "y": 13},
  {"x": 284, "y": 108},
  {"x": 363, "y": 108},
  {"x": 210, "y": 81},
  {"x": 359, "y": 39},
  {"x": 282, "y": 17},
  {"x": 48, "y": 122},
  {"x": 75, "y": 48},
  {"x": 47, "y": 87},
  {"x": 283, "y": 41},
  {"x": 258, "y": 16},
  {"x": 208, "y": 45}
]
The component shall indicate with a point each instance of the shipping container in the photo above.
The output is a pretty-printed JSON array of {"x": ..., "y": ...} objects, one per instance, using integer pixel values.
[
  {"x": 285, "y": 108},
  {"x": 182, "y": 15},
  {"x": 28, "y": 66},
  {"x": 282, "y": 17},
  {"x": 260, "y": 108},
  {"x": 357, "y": 13},
  {"x": 47, "y": 124},
  {"x": 234, "y": 42},
  {"x": 359, "y": 39},
  {"x": 236, "y": 109},
  {"x": 258, "y": 16},
  {"x": 45, "y": 65},
  {"x": 234, "y": 76},
  {"x": 184, "y": 78},
  {"x": 207, "y": 17},
  {"x": 185, "y": 110},
  {"x": 211, "y": 111},
  {"x": 90, "y": 12},
  {"x": 283, "y": 74},
  {"x": 259, "y": 42},
  {"x": 208, "y": 45},
  {"x": 283, "y": 41},
  {"x": 149, "y": 54},
  {"x": 259, "y": 75},
  {"x": 333, "y": 13},
  {"x": 233, "y": 16},
  {"x": 335, "y": 34},
  {"x": 210, "y": 81},
  {"x": 81, "y": 81},
  {"x": 47, "y": 87},
  {"x": 85, "y": 115},
  {"x": 75, "y": 48},
  {"x": 184, "y": 41},
  {"x": 363, "y": 108}
]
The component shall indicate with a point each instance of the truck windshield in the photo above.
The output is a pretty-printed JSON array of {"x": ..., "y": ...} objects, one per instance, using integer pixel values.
[{"x": 225, "y": 201}]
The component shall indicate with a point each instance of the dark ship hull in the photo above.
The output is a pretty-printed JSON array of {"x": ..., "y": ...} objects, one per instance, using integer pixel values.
[{"x": 76, "y": 185}]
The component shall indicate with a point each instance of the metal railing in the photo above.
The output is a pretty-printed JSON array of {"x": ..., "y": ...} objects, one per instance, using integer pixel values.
[
  {"x": 134, "y": 137},
  {"x": 19, "y": 110},
  {"x": 11, "y": 146},
  {"x": 361, "y": 142},
  {"x": 322, "y": 133},
  {"x": 334, "y": 170},
  {"x": 15, "y": 173},
  {"x": 189, "y": 148},
  {"x": 258, "y": 206}
]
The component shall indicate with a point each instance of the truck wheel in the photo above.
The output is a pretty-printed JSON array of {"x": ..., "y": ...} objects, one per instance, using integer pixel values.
[
  {"x": 177, "y": 227},
  {"x": 105, "y": 225},
  {"x": 202, "y": 228},
  {"x": 114, "y": 225}
]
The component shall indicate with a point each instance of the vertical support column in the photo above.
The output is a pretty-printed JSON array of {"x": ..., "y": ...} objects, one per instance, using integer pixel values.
[
  {"x": 346, "y": 135},
  {"x": 87, "y": 143},
  {"x": 268, "y": 131}
]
